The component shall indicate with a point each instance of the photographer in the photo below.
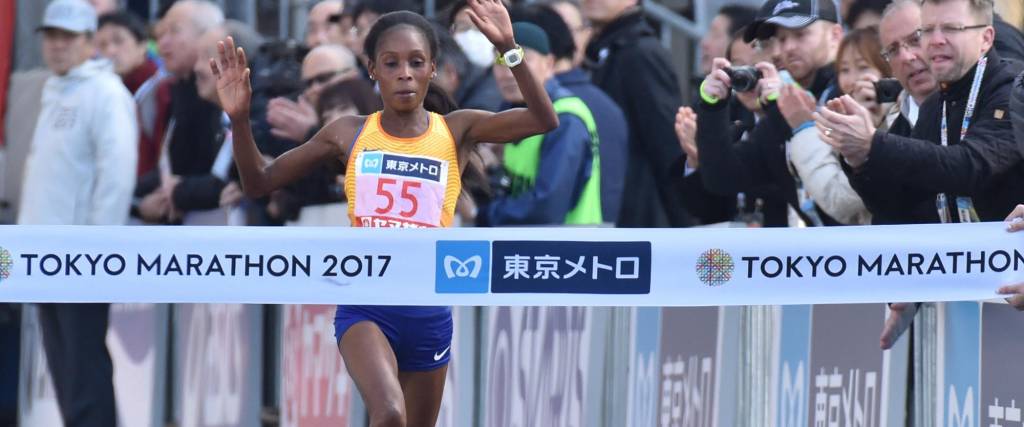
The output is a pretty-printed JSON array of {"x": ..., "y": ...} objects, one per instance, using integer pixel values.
[
  {"x": 862, "y": 69},
  {"x": 807, "y": 35},
  {"x": 766, "y": 206}
]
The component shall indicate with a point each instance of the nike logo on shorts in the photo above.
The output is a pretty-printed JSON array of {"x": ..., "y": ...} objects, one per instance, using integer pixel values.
[{"x": 438, "y": 356}]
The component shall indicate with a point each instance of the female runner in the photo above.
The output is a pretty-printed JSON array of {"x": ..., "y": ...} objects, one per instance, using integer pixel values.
[{"x": 404, "y": 168}]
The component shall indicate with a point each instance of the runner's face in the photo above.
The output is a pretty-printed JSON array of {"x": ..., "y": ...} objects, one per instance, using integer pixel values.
[
  {"x": 64, "y": 50},
  {"x": 403, "y": 66}
]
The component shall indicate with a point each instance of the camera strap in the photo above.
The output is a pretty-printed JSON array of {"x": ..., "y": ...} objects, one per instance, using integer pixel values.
[{"x": 965, "y": 206}]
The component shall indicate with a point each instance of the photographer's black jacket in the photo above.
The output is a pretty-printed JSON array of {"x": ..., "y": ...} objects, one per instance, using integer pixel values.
[{"x": 759, "y": 161}]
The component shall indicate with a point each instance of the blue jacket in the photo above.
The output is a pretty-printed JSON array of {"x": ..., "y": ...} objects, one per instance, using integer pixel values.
[
  {"x": 613, "y": 132},
  {"x": 565, "y": 162}
]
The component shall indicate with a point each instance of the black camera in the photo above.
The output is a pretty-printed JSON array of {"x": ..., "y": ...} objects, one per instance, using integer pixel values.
[
  {"x": 744, "y": 79},
  {"x": 887, "y": 90}
]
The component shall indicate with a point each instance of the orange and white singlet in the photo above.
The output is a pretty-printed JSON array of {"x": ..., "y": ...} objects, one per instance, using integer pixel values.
[{"x": 403, "y": 182}]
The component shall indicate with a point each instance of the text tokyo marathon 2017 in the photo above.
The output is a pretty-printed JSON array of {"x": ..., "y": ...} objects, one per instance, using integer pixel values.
[
  {"x": 222, "y": 265},
  {"x": 908, "y": 264}
]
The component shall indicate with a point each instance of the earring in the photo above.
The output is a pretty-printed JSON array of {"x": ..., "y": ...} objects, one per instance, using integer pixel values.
[{"x": 433, "y": 76}]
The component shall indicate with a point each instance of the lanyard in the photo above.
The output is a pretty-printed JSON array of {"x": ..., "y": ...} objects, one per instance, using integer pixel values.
[
  {"x": 972, "y": 100},
  {"x": 965, "y": 207}
]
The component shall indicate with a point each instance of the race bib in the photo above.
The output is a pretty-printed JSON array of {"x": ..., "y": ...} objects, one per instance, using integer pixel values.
[{"x": 398, "y": 190}]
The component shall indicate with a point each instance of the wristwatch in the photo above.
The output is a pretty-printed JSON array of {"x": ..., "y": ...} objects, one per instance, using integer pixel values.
[{"x": 511, "y": 58}]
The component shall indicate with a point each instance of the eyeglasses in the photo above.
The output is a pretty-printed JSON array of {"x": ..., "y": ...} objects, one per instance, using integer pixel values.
[
  {"x": 947, "y": 29},
  {"x": 912, "y": 41},
  {"x": 323, "y": 78}
]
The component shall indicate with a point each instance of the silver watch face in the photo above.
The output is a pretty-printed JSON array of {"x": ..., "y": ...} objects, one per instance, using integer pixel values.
[{"x": 513, "y": 57}]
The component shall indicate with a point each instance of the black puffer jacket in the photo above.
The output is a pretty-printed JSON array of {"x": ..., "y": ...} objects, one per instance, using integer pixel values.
[{"x": 986, "y": 165}]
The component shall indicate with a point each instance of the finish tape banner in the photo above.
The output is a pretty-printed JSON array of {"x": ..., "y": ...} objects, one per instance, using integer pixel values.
[{"x": 510, "y": 266}]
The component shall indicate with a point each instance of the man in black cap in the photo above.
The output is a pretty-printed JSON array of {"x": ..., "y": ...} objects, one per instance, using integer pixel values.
[
  {"x": 808, "y": 33},
  {"x": 807, "y": 36}
]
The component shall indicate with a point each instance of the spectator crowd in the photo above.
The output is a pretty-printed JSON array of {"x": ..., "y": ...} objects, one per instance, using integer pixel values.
[{"x": 806, "y": 113}]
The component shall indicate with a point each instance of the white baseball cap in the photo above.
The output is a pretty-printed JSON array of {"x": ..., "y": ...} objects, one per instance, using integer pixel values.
[{"x": 76, "y": 16}]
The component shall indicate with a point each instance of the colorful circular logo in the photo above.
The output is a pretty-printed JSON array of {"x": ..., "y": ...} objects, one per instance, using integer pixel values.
[
  {"x": 715, "y": 267},
  {"x": 6, "y": 264}
]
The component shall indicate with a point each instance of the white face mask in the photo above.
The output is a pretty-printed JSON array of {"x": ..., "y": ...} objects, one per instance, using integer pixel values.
[{"x": 477, "y": 48}]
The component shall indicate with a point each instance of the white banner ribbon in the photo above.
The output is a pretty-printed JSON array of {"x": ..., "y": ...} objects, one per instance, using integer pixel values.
[{"x": 536, "y": 266}]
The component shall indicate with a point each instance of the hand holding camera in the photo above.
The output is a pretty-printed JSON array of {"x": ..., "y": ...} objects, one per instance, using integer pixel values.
[
  {"x": 871, "y": 91},
  {"x": 771, "y": 82},
  {"x": 887, "y": 90},
  {"x": 717, "y": 84}
]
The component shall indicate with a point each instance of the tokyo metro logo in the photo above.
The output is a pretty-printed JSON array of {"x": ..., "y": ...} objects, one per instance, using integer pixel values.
[
  {"x": 463, "y": 266},
  {"x": 715, "y": 267},
  {"x": 457, "y": 268}
]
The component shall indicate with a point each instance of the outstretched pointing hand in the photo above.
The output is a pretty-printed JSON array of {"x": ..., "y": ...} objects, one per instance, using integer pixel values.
[{"x": 232, "y": 73}]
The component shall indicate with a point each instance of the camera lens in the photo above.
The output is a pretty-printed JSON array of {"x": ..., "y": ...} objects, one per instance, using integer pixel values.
[{"x": 744, "y": 79}]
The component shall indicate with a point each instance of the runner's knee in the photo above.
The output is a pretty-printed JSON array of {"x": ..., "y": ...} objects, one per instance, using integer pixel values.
[{"x": 391, "y": 414}]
